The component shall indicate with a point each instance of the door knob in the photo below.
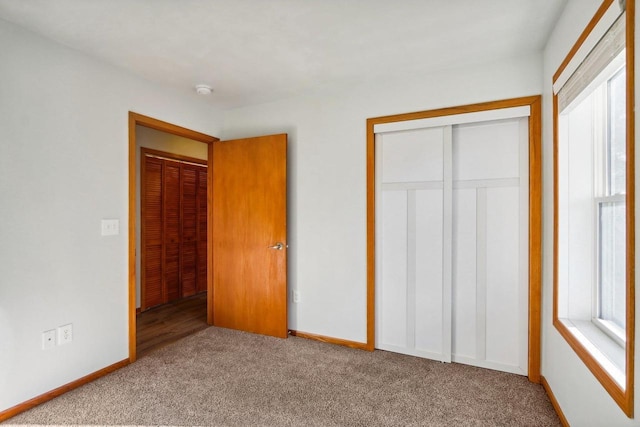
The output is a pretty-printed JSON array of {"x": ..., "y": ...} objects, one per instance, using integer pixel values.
[{"x": 278, "y": 246}]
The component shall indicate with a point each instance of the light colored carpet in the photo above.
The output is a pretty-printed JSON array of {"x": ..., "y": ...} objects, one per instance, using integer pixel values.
[{"x": 223, "y": 377}]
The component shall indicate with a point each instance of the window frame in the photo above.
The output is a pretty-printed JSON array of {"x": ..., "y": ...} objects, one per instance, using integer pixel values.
[
  {"x": 607, "y": 326},
  {"x": 604, "y": 193},
  {"x": 623, "y": 396}
]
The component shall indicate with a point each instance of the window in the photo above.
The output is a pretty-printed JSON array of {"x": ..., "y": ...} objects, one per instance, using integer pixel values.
[
  {"x": 610, "y": 208},
  {"x": 594, "y": 232}
]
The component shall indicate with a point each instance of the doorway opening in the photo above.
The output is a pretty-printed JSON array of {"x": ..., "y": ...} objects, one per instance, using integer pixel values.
[{"x": 178, "y": 295}]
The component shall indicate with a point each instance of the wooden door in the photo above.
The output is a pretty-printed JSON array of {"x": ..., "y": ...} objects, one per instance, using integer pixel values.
[
  {"x": 189, "y": 241},
  {"x": 172, "y": 219},
  {"x": 152, "y": 233},
  {"x": 201, "y": 278},
  {"x": 250, "y": 235},
  {"x": 174, "y": 229}
]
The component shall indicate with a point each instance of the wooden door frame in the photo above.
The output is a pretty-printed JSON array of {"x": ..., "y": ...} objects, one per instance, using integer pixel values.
[
  {"x": 535, "y": 212},
  {"x": 149, "y": 122}
]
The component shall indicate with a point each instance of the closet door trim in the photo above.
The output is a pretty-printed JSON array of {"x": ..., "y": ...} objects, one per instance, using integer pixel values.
[
  {"x": 453, "y": 119},
  {"x": 148, "y": 152}
]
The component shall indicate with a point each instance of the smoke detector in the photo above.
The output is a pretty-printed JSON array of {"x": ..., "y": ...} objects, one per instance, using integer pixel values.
[{"x": 203, "y": 89}]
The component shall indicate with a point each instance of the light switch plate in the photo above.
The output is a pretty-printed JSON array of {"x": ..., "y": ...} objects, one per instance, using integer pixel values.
[{"x": 110, "y": 227}]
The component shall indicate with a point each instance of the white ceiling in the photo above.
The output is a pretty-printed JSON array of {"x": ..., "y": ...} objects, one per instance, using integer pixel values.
[{"x": 254, "y": 51}]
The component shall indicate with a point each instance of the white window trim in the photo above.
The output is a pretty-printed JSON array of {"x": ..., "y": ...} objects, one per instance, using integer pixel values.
[{"x": 613, "y": 331}]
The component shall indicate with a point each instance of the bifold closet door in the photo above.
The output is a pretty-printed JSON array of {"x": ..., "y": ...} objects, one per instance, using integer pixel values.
[
  {"x": 174, "y": 230},
  {"x": 193, "y": 258},
  {"x": 201, "y": 282},
  {"x": 189, "y": 235},
  {"x": 152, "y": 236},
  {"x": 452, "y": 240}
]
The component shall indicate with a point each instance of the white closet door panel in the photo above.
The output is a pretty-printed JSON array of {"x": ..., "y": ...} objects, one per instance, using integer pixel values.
[
  {"x": 412, "y": 156},
  {"x": 487, "y": 150},
  {"x": 428, "y": 271},
  {"x": 451, "y": 243},
  {"x": 464, "y": 273},
  {"x": 504, "y": 312},
  {"x": 392, "y": 289}
]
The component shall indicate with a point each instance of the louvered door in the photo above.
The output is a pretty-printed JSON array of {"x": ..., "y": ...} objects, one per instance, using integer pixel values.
[
  {"x": 174, "y": 230},
  {"x": 201, "y": 280},
  {"x": 189, "y": 254},
  {"x": 172, "y": 214},
  {"x": 152, "y": 271}
]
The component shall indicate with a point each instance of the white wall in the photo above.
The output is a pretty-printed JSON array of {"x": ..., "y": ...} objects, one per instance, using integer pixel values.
[
  {"x": 64, "y": 167},
  {"x": 583, "y": 400},
  {"x": 161, "y": 141},
  {"x": 327, "y": 170}
]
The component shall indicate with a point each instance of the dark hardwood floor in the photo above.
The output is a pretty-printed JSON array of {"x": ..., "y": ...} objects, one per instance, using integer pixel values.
[{"x": 167, "y": 323}]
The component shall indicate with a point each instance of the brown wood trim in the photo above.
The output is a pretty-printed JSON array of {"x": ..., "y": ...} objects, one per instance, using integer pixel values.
[
  {"x": 450, "y": 111},
  {"x": 556, "y": 189},
  {"x": 590, "y": 26},
  {"x": 330, "y": 340},
  {"x": 160, "y": 125},
  {"x": 554, "y": 401},
  {"x": 139, "y": 119},
  {"x": 210, "y": 295},
  {"x": 623, "y": 397},
  {"x": 25, "y": 406},
  {"x": 631, "y": 205},
  {"x": 371, "y": 234},
  {"x": 138, "y": 310},
  {"x": 171, "y": 156},
  {"x": 132, "y": 237},
  {"x": 535, "y": 212},
  {"x": 535, "y": 239},
  {"x": 143, "y": 211},
  {"x": 596, "y": 369}
]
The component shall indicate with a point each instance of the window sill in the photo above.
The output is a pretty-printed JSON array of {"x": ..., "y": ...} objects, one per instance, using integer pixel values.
[
  {"x": 604, "y": 349},
  {"x": 615, "y": 332}
]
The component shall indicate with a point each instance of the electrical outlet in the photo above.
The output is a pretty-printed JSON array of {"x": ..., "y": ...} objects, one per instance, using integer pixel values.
[
  {"x": 48, "y": 339},
  {"x": 65, "y": 334},
  {"x": 296, "y": 296},
  {"x": 110, "y": 227}
]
